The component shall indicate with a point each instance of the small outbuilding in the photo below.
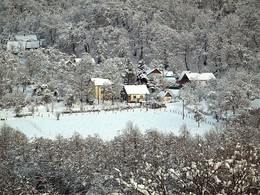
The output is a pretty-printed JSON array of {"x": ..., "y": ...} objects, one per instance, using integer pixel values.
[{"x": 166, "y": 96}]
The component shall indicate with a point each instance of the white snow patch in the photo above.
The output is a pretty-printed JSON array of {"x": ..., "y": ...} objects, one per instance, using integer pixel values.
[{"x": 105, "y": 124}]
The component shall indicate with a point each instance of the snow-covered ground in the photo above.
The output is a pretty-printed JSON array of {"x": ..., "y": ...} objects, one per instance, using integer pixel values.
[{"x": 107, "y": 124}]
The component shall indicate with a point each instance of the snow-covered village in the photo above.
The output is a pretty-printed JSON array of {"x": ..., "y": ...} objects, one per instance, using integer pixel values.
[{"x": 130, "y": 97}]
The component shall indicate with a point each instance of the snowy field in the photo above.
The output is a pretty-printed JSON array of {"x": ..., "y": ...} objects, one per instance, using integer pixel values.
[{"x": 107, "y": 124}]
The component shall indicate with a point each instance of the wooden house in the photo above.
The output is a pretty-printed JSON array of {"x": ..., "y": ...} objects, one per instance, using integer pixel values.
[{"x": 135, "y": 93}]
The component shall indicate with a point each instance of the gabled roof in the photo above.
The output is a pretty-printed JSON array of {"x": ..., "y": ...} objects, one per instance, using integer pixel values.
[
  {"x": 101, "y": 82},
  {"x": 136, "y": 89},
  {"x": 164, "y": 93},
  {"x": 155, "y": 70},
  {"x": 200, "y": 76},
  {"x": 174, "y": 92},
  {"x": 183, "y": 73}
]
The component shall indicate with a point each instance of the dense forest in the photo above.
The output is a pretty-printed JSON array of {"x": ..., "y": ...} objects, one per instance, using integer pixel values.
[
  {"x": 220, "y": 162},
  {"x": 185, "y": 34},
  {"x": 114, "y": 38}
]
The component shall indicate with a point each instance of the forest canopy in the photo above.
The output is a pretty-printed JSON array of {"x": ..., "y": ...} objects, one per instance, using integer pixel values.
[{"x": 201, "y": 35}]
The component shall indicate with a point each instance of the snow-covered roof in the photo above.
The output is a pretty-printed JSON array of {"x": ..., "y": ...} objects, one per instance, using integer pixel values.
[
  {"x": 164, "y": 93},
  {"x": 149, "y": 71},
  {"x": 183, "y": 73},
  {"x": 136, "y": 89},
  {"x": 101, "y": 82},
  {"x": 169, "y": 79},
  {"x": 26, "y": 37},
  {"x": 200, "y": 76},
  {"x": 168, "y": 73},
  {"x": 22, "y": 42},
  {"x": 77, "y": 60}
]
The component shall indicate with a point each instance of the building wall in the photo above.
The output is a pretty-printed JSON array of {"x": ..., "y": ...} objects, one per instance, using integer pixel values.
[
  {"x": 32, "y": 44},
  {"x": 99, "y": 92},
  {"x": 136, "y": 98},
  {"x": 18, "y": 46},
  {"x": 167, "y": 98},
  {"x": 202, "y": 83},
  {"x": 15, "y": 46},
  {"x": 154, "y": 75}
]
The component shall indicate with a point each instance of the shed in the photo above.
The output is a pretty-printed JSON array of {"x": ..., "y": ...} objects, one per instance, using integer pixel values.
[{"x": 166, "y": 96}]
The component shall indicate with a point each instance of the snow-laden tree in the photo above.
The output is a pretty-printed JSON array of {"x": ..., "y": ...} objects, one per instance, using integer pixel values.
[
  {"x": 130, "y": 73},
  {"x": 186, "y": 93},
  {"x": 8, "y": 74},
  {"x": 114, "y": 69},
  {"x": 142, "y": 77},
  {"x": 34, "y": 64},
  {"x": 79, "y": 75},
  {"x": 128, "y": 147},
  {"x": 198, "y": 115},
  {"x": 233, "y": 92},
  {"x": 215, "y": 106}
]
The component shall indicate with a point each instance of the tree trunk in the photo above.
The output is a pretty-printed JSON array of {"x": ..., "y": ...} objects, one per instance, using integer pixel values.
[{"x": 186, "y": 62}]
